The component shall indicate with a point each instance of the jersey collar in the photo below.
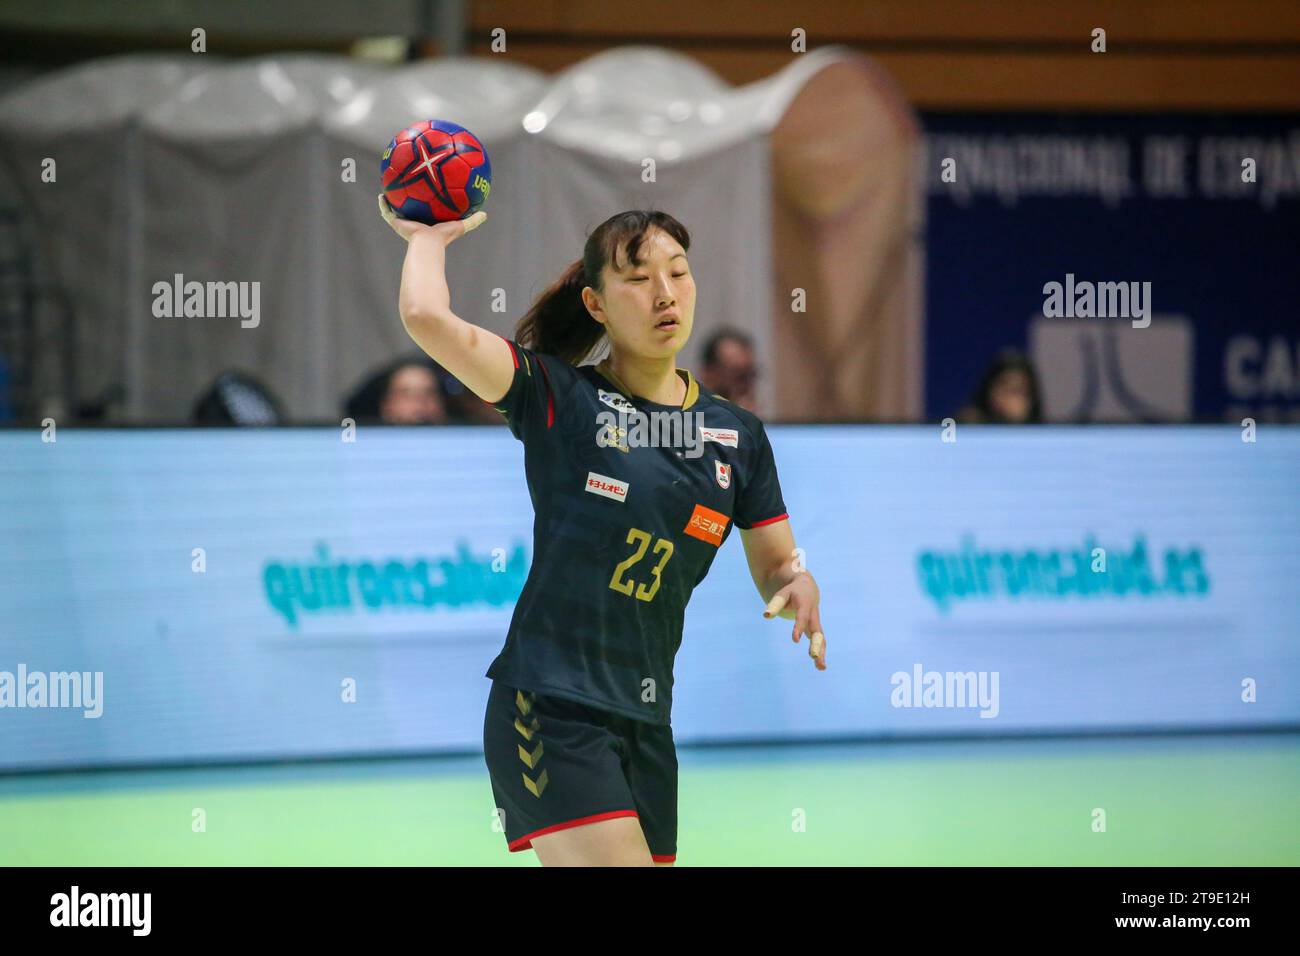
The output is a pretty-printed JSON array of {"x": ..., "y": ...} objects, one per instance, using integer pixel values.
[{"x": 692, "y": 387}]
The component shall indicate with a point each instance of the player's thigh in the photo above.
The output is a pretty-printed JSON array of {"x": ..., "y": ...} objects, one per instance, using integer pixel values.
[
  {"x": 615, "y": 842},
  {"x": 651, "y": 771}
]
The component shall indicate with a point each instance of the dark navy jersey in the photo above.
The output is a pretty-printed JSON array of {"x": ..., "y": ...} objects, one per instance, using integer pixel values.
[{"x": 628, "y": 520}]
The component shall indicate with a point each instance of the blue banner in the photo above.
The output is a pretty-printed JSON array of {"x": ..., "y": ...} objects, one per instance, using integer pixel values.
[
  {"x": 1202, "y": 214},
  {"x": 176, "y": 596}
]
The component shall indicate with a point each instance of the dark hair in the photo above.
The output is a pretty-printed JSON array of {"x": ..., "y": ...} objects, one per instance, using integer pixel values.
[
  {"x": 558, "y": 323},
  {"x": 1006, "y": 361},
  {"x": 714, "y": 342},
  {"x": 367, "y": 399},
  {"x": 237, "y": 398}
]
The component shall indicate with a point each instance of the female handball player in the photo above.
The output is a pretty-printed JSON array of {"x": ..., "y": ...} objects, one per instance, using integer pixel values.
[{"x": 577, "y": 737}]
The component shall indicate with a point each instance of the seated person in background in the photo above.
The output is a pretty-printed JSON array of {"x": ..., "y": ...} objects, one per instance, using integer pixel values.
[
  {"x": 1008, "y": 393},
  {"x": 407, "y": 392},
  {"x": 237, "y": 398},
  {"x": 466, "y": 408},
  {"x": 729, "y": 367}
]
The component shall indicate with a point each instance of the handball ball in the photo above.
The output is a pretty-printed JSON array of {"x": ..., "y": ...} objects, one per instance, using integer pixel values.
[{"x": 435, "y": 171}]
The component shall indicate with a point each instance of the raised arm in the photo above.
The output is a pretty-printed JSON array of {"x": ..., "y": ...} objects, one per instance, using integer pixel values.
[{"x": 479, "y": 358}]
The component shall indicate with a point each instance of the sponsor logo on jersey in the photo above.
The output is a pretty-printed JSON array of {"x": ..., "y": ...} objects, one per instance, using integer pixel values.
[
  {"x": 611, "y": 436},
  {"x": 723, "y": 436},
  {"x": 722, "y": 472},
  {"x": 615, "y": 400},
  {"x": 604, "y": 485},
  {"x": 707, "y": 525}
]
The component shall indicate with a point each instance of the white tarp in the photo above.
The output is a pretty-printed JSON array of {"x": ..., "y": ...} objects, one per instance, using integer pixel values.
[
  {"x": 82, "y": 119},
  {"x": 235, "y": 172}
]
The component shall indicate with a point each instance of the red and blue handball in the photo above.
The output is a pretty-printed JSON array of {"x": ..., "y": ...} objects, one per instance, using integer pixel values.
[{"x": 435, "y": 171}]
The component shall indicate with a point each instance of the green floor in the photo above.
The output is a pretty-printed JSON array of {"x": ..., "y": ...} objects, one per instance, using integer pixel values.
[{"x": 1167, "y": 801}]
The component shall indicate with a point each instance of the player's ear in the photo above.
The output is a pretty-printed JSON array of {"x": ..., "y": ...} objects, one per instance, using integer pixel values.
[{"x": 592, "y": 301}]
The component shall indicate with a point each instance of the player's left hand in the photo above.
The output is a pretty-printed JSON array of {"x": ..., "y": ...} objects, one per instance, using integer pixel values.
[{"x": 800, "y": 600}]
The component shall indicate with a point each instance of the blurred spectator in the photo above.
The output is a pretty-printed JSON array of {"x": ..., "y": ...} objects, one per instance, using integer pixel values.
[
  {"x": 407, "y": 392},
  {"x": 466, "y": 408},
  {"x": 236, "y": 398},
  {"x": 105, "y": 406},
  {"x": 730, "y": 368},
  {"x": 1008, "y": 394}
]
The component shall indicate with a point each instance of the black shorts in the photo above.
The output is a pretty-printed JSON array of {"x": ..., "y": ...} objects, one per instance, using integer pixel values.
[{"x": 555, "y": 764}]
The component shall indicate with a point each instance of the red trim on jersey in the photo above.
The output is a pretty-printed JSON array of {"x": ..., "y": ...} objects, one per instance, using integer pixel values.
[
  {"x": 664, "y": 859},
  {"x": 550, "y": 397},
  {"x": 526, "y": 842},
  {"x": 759, "y": 524},
  {"x": 513, "y": 354}
]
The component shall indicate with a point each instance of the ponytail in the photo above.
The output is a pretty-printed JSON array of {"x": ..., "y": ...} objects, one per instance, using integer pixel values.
[{"x": 558, "y": 323}]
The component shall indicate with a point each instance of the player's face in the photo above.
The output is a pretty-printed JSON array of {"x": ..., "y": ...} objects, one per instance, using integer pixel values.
[{"x": 648, "y": 309}]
